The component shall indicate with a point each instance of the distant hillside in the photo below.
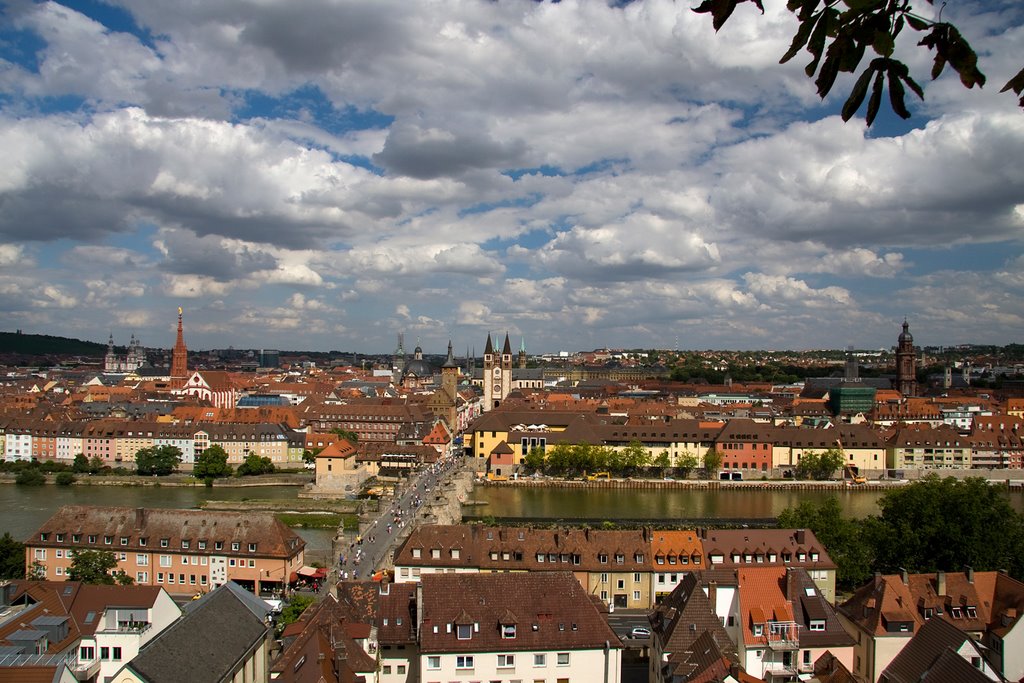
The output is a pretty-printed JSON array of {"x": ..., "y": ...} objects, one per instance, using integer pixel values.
[{"x": 45, "y": 345}]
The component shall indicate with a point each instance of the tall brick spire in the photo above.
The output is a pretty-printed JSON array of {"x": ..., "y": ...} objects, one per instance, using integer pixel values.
[{"x": 179, "y": 357}]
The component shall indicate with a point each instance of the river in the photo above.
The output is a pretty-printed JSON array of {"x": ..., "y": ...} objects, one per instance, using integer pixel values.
[
  {"x": 25, "y": 508},
  {"x": 664, "y": 504}
]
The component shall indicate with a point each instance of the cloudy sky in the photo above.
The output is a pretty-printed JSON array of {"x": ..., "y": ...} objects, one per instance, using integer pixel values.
[{"x": 324, "y": 174}]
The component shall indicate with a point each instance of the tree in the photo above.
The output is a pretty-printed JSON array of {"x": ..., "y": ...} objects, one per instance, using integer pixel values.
[
  {"x": 30, "y": 477},
  {"x": 255, "y": 464},
  {"x": 96, "y": 566},
  {"x": 663, "y": 463},
  {"x": 81, "y": 464},
  {"x": 635, "y": 457},
  {"x": 842, "y": 538},
  {"x": 818, "y": 466},
  {"x": 946, "y": 524},
  {"x": 686, "y": 463},
  {"x": 309, "y": 456},
  {"x": 65, "y": 478},
  {"x": 843, "y": 31},
  {"x": 12, "y": 557},
  {"x": 212, "y": 463},
  {"x": 293, "y": 610},
  {"x": 157, "y": 460},
  {"x": 534, "y": 461},
  {"x": 95, "y": 464},
  {"x": 351, "y": 437},
  {"x": 712, "y": 461}
]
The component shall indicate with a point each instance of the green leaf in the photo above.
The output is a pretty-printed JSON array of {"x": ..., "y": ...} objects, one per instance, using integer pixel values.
[
  {"x": 916, "y": 23},
  {"x": 799, "y": 40},
  {"x": 897, "y": 96},
  {"x": 876, "y": 98},
  {"x": 1016, "y": 84},
  {"x": 856, "y": 98}
]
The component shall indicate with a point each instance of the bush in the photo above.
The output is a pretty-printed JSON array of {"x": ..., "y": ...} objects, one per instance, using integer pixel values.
[
  {"x": 65, "y": 478},
  {"x": 30, "y": 477}
]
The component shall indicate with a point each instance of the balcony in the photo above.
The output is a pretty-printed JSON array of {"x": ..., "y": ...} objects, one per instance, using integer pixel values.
[{"x": 781, "y": 636}]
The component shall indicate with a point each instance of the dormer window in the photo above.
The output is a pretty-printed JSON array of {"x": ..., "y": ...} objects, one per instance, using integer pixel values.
[
  {"x": 108, "y": 540},
  {"x": 202, "y": 545},
  {"x": 417, "y": 552},
  {"x": 463, "y": 631},
  {"x": 60, "y": 538},
  {"x": 602, "y": 558},
  {"x": 508, "y": 631},
  {"x": 252, "y": 547},
  {"x": 184, "y": 545},
  {"x": 814, "y": 557},
  {"x": 164, "y": 542},
  {"x": 619, "y": 558},
  {"x": 955, "y": 612},
  {"x": 660, "y": 559},
  {"x": 817, "y": 624},
  {"x": 758, "y": 630},
  {"x": 236, "y": 546},
  {"x": 218, "y": 545},
  {"x": 540, "y": 558},
  {"x": 972, "y": 612},
  {"x": 124, "y": 540},
  {"x": 435, "y": 553},
  {"x": 44, "y": 536},
  {"x": 454, "y": 552},
  {"x": 638, "y": 557},
  {"x": 76, "y": 538}
]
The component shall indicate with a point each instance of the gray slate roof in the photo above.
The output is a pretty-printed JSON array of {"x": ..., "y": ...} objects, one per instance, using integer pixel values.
[{"x": 206, "y": 645}]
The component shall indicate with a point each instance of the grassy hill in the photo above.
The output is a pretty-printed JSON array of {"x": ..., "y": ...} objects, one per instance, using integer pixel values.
[{"x": 45, "y": 345}]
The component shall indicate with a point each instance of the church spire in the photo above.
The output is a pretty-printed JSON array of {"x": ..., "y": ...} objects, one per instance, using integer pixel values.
[{"x": 179, "y": 356}]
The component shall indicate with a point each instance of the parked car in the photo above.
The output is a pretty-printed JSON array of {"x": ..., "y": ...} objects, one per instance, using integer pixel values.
[{"x": 640, "y": 632}]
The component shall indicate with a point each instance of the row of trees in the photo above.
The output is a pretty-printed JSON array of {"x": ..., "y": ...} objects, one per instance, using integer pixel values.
[
  {"x": 567, "y": 460},
  {"x": 926, "y": 526},
  {"x": 157, "y": 461}
]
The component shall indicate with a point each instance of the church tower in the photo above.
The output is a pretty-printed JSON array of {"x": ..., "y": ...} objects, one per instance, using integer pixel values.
[
  {"x": 522, "y": 353},
  {"x": 497, "y": 377},
  {"x": 179, "y": 357},
  {"x": 906, "y": 363},
  {"x": 110, "y": 360}
]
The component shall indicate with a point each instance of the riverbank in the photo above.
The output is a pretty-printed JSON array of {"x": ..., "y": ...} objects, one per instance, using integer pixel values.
[
  {"x": 177, "y": 480},
  {"x": 716, "y": 485}
]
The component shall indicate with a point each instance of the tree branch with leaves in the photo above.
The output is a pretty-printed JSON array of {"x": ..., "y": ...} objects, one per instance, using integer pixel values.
[{"x": 838, "y": 34}]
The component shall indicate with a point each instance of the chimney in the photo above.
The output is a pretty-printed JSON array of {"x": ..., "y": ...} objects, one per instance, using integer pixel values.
[
  {"x": 940, "y": 583},
  {"x": 712, "y": 594},
  {"x": 969, "y": 571},
  {"x": 791, "y": 583},
  {"x": 904, "y": 577},
  {"x": 801, "y": 536},
  {"x": 140, "y": 518}
]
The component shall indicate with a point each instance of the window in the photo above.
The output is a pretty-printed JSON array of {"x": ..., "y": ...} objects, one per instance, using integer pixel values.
[
  {"x": 454, "y": 553},
  {"x": 433, "y": 662},
  {"x": 602, "y": 558},
  {"x": 40, "y": 553},
  {"x": 92, "y": 538},
  {"x": 124, "y": 540},
  {"x": 619, "y": 558},
  {"x": 540, "y": 659},
  {"x": 416, "y": 552},
  {"x": 165, "y": 542},
  {"x": 159, "y": 577},
  {"x": 218, "y": 545},
  {"x": 202, "y": 545},
  {"x": 508, "y": 631},
  {"x": 464, "y": 662},
  {"x": 142, "y": 560},
  {"x": 758, "y": 629},
  {"x": 636, "y": 596},
  {"x": 506, "y": 661},
  {"x": 252, "y": 547},
  {"x": 141, "y": 577},
  {"x": 817, "y": 624},
  {"x": 142, "y": 541},
  {"x": 59, "y": 571},
  {"x": 60, "y": 538},
  {"x": 604, "y": 578},
  {"x": 463, "y": 631},
  {"x": 540, "y": 558},
  {"x": 563, "y": 659},
  {"x": 184, "y": 545},
  {"x": 435, "y": 553},
  {"x": 75, "y": 538},
  {"x": 235, "y": 546},
  {"x": 636, "y": 577},
  {"x": 107, "y": 540},
  {"x": 165, "y": 560},
  {"x": 620, "y": 584},
  {"x": 87, "y": 652},
  {"x": 104, "y": 653}
]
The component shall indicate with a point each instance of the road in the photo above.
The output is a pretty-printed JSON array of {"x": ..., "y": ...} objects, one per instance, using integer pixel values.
[{"x": 372, "y": 548}]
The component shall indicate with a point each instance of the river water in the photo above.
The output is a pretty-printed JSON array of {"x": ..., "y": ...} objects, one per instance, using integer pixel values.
[
  {"x": 664, "y": 504},
  {"x": 23, "y": 509}
]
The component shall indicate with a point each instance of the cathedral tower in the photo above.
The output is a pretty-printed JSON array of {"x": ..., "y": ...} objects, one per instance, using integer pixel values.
[{"x": 497, "y": 377}]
